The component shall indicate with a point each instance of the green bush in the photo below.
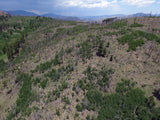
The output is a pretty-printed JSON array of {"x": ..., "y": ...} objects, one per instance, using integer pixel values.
[
  {"x": 43, "y": 83},
  {"x": 86, "y": 50},
  {"x": 54, "y": 75},
  {"x": 25, "y": 94},
  {"x": 135, "y": 39},
  {"x": 36, "y": 81},
  {"x": 66, "y": 100},
  {"x": 56, "y": 93},
  {"x": 63, "y": 86},
  {"x": 10, "y": 116},
  {"x": 56, "y": 60},
  {"x": 58, "y": 112},
  {"x": 45, "y": 66},
  {"x": 3, "y": 65},
  {"x": 127, "y": 103},
  {"x": 117, "y": 25},
  {"x": 134, "y": 44},
  {"x": 77, "y": 29},
  {"x": 15, "y": 33},
  {"x": 95, "y": 99},
  {"x": 136, "y": 25},
  {"x": 69, "y": 68},
  {"x": 105, "y": 80},
  {"x": 91, "y": 73},
  {"x": 69, "y": 50},
  {"x": 88, "y": 117},
  {"x": 123, "y": 31},
  {"x": 61, "y": 31},
  {"x": 79, "y": 108},
  {"x": 101, "y": 50},
  {"x": 76, "y": 114}
]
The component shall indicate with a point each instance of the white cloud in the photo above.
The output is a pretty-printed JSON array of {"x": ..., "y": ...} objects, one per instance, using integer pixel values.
[
  {"x": 87, "y": 3},
  {"x": 139, "y": 3}
]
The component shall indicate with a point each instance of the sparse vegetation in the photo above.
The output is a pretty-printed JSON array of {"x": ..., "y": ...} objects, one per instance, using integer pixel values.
[
  {"x": 79, "y": 108},
  {"x": 66, "y": 100},
  {"x": 43, "y": 83},
  {"x": 134, "y": 42},
  {"x": 86, "y": 50},
  {"x": 46, "y": 65},
  {"x": 122, "y": 104},
  {"x": 101, "y": 50},
  {"x": 53, "y": 69},
  {"x": 136, "y": 25},
  {"x": 13, "y": 34},
  {"x": 24, "y": 97},
  {"x": 118, "y": 24},
  {"x": 58, "y": 112}
]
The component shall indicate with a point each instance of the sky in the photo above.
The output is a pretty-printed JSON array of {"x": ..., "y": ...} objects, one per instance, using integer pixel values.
[{"x": 83, "y": 7}]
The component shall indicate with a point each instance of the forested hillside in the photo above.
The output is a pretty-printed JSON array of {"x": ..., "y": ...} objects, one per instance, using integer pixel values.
[{"x": 59, "y": 70}]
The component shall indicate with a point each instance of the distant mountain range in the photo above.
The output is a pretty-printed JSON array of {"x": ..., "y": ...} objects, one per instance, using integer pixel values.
[
  {"x": 26, "y": 13},
  {"x": 61, "y": 17},
  {"x": 73, "y": 18},
  {"x": 20, "y": 13},
  {"x": 142, "y": 15},
  {"x": 100, "y": 18},
  {"x": 119, "y": 16}
]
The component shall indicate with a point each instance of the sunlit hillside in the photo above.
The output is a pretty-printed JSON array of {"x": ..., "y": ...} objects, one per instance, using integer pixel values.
[{"x": 58, "y": 70}]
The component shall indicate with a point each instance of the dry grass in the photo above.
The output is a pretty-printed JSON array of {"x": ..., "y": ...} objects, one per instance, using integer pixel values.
[{"x": 129, "y": 65}]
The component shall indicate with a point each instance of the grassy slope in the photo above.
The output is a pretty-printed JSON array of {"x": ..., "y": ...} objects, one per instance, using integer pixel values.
[{"x": 43, "y": 44}]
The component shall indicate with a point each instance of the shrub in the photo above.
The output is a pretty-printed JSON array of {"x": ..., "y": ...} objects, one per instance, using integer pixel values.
[
  {"x": 79, "y": 108},
  {"x": 88, "y": 117},
  {"x": 69, "y": 50},
  {"x": 91, "y": 73},
  {"x": 117, "y": 25},
  {"x": 25, "y": 95},
  {"x": 54, "y": 75},
  {"x": 56, "y": 93},
  {"x": 43, "y": 83},
  {"x": 94, "y": 98},
  {"x": 58, "y": 112},
  {"x": 56, "y": 60},
  {"x": 133, "y": 43},
  {"x": 86, "y": 50},
  {"x": 67, "y": 117},
  {"x": 101, "y": 50},
  {"x": 66, "y": 100},
  {"x": 76, "y": 114},
  {"x": 69, "y": 68},
  {"x": 10, "y": 116},
  {"x": 77, "y": 29},
  {"x": 63, "y": 85},
  {"x": 47, "y": 65},
  {"x": 105, "y": 80},
  {"x": 61, "y": 31},
  {"x": 136, "y": 25},
  {"x": 36, "y": 81}
]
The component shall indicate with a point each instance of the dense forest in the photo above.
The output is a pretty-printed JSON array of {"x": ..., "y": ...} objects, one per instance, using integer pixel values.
[{"x": 53, "y": 70}]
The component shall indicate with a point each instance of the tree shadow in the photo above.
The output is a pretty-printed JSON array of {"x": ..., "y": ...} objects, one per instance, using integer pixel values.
[{"x": 156, "y": 93}]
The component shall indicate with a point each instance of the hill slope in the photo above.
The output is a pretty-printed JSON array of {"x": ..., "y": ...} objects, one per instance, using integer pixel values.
[
  {"x": 20, "y": 13},
  {"x": 74, "y": 70},
  {"x": 3, "y": 13}
]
